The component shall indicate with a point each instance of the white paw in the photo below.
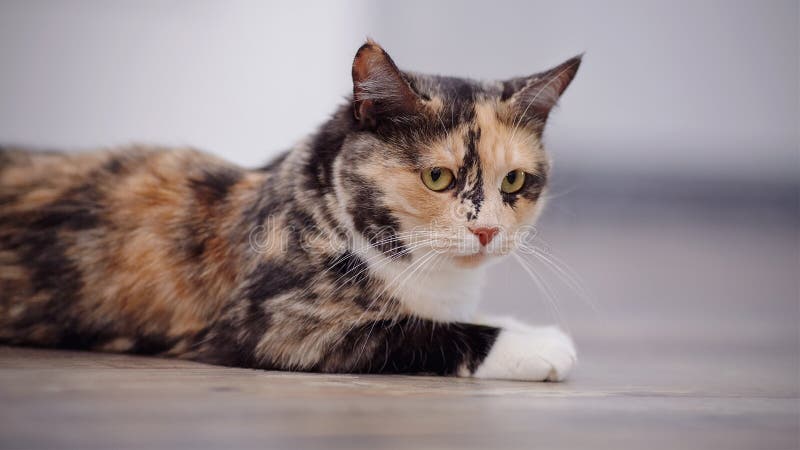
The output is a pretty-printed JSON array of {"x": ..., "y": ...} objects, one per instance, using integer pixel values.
[{"x": 529, "y": 353}]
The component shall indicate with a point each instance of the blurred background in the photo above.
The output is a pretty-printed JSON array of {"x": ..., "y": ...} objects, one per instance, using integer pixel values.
[{"x": 675, "y": 195}]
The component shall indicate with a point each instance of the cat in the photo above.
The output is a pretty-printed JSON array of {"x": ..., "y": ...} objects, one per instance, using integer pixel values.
[{"x": 360, "y": 250}]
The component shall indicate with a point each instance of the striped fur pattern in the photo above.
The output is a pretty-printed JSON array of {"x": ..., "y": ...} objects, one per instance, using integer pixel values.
[{"x": 335, "y": 257}]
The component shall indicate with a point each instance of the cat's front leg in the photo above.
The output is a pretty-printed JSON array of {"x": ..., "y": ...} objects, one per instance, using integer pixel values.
[
  {"x": 510, "y": 351},
  {"x": 525, "y": 352}
]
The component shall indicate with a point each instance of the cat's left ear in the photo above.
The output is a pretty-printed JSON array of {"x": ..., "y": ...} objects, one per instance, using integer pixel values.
[
  {"x": 533, "y": 97},
  {"x": 380, "y": 90}
]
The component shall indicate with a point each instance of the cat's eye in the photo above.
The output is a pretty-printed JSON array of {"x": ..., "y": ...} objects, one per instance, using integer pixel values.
[
  {"x": 513, "y": 181},
  {"x": 437, "y": 178}
]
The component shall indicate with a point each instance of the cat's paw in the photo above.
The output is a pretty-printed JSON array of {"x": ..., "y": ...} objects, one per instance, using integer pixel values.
[{"x": 529, "y": 353}]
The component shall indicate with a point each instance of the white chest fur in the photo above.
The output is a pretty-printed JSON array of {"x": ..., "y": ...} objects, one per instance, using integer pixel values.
[{"x": 426, "y": 285}]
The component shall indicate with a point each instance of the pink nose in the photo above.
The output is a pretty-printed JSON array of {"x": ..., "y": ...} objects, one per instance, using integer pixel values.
[{"x": 485, "y": 234}]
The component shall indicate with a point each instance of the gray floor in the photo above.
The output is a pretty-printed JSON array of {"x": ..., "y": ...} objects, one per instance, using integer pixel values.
[{"x": 688, "y": 338}]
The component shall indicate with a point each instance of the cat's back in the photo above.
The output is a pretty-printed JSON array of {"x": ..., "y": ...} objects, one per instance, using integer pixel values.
[
  {"x": 31, "y": 179},
  {"x": 117, "y": 249},
  {"x": 113, "y": 189}
]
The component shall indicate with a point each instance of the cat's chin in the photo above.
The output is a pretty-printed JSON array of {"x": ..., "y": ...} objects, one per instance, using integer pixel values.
[
  {"x": 470, "y": 261},
  {"x": 477, "y": 259}
]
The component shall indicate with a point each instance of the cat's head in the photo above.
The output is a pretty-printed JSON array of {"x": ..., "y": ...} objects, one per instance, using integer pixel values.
[{"x": 444, "y": 164}]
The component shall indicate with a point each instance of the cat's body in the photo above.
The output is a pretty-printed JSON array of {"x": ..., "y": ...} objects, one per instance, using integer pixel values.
[{"x": 331, "y": 258}]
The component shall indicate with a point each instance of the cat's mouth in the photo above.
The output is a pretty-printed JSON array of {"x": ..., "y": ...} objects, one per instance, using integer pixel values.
[
  {"x": 470, "y": 261},
  {"x": 480, "y": 255}
]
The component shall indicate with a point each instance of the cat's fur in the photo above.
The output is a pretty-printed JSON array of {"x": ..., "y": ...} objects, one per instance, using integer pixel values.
[{"x": 335, "y": 257}]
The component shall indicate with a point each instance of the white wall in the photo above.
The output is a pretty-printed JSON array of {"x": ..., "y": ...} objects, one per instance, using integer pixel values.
[
  {"x": 709, "y": 87},
  {"x": 242, "y": 79}
]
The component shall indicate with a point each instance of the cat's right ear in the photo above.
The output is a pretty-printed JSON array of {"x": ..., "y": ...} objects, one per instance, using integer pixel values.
[{"x": 380, "y": 89}]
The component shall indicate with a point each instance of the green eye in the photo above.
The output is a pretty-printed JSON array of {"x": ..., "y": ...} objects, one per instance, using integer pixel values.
[
  {"x": 513, "y": 181},
  {"x": 437, "y": 178}
]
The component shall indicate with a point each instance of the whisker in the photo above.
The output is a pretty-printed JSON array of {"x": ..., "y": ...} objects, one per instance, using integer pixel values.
[
  {"x": 568, "y": 276},
  {"x": 389, "y": 259},
  {"x": 350, "y": 255},
  {"x": 542, "y": 287}
]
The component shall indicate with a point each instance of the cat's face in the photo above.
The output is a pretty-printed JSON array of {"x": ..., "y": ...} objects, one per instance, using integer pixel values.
[{"x": 446, "y": 165}]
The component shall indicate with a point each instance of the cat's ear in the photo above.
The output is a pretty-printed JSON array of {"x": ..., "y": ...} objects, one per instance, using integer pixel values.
[
  {"x": 379, "y": 87},
  {"x": 533, "y": 97}
]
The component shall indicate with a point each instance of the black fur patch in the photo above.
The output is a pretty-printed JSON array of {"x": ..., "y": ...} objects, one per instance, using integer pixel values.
[
  {"x": 77, "y": 209},
  {"x": 272, "y": 278},
  {"x": 213, "y": 186},
  {"x": 511, "y": 87},
  {"x": 153, "y": 344},
  {"x": 210, "y": 191},
  {"x": 114, "y": 165},
  {"x": 471, "y": 164},
  {"x": 459, "y": 99},
  {"x": 419, "y": 346},
  {"x": 370, "y": 302},
  {"x": 325, "y": 147},
  {"x": 122, "y": 163},
  {"x": 348, "y": 269},
  {"x": 302, "y": 220},
  {"x": 372, "y": 219},
  {"x": 56, "y": 277},
  {"x": 77, "y": 337}
]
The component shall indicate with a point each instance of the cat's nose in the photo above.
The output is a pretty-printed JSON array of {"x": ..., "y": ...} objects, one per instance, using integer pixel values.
[{"x": 485, "y": 234}]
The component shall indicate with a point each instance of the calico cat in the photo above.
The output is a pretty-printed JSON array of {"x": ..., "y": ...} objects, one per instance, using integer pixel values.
[{"x": 360, "y": 250}]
